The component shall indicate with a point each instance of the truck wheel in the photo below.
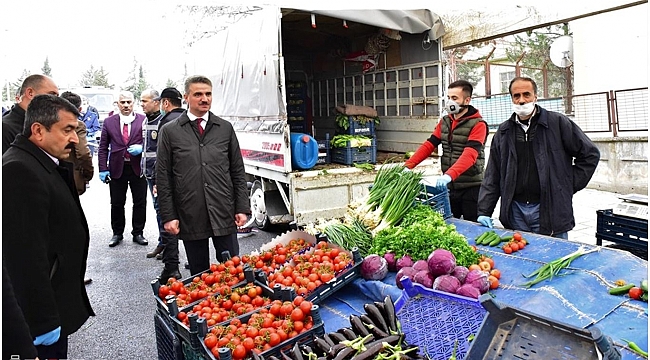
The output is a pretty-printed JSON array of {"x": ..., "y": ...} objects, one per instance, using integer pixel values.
[{"x": 258, "y": 206}]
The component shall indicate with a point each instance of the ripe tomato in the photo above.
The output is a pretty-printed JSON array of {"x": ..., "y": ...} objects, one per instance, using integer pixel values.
[
  {"x": 239, "y": 352},
  {"x": 507, "y": 249},
  {"x": 163, "y": 291},
  {"x": 325, "y": 277},
  {"x": 298, "y": 326},
  {"x": 516, "y": 236},
  {"x": 490, "y": 261},
  {"x": 496, "y": 273},
  {"x": 485, "y": 266},
  {"x": 297, "y": 315},
  {"x": 181, "y": 316},
  {"x": 213, "y": 267},
  {"x": 494, "y": 282},
  {"x": 514, "y": 246},
  {"x": 298, "y": 300},
  {"x": 274, "y": 339},
  {"x": 305, "y": 306},
  {"x": 210, "y": 340},
  {"x": 635, "y": 293}
]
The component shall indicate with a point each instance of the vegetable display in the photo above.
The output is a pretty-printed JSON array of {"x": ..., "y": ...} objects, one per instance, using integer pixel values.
[
  {"x": 341, "y": 141},
  {"x": 374, "y": 267},
  {"x": 343, "y": 120},
  {"x": 420, "y": 232},
  {"x": 629, "y": 289},
  {"x": 349, "y": 236}
]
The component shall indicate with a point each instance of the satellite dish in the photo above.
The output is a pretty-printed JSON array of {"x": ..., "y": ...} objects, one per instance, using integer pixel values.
[{"x": 561, "y": 52}]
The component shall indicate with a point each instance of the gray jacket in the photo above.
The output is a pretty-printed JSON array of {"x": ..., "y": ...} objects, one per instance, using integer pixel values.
[
  {"x": 201, "y": 181},
  {"x": 566, "y": 160}
]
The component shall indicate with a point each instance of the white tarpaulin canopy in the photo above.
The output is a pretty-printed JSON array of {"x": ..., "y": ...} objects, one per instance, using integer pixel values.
[{"x": 408, "y": 21}]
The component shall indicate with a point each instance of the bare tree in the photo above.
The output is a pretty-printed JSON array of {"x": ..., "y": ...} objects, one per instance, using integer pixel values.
[{"x": 220, "y": 17}]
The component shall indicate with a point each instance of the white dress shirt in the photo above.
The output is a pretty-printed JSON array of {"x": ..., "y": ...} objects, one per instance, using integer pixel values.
[{"x": 193, "y": 117}]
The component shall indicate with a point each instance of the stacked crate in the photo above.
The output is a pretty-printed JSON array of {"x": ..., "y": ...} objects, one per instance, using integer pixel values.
[
  {"x": 324, "y": 154},
  {"x": 297, "y": 107},
  {"x": 356, "y": 155}
]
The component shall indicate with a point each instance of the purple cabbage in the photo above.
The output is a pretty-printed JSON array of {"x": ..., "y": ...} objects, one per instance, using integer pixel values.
[
  {"x": 423, "y": 278},
  {"x": 391, "y": 260},
  {"x": 479, "y": 280},
  {"x": 374, "y": 267},
  {"x": 421, "y": 265},
  {"x": 404, "y": 261},
  {"x": 446, "y": 283},
  {"x": 460, "y": 272},
  {"x": 405, "y": 271},
  {"x": 468, "y": 290},
  {"x": 441, "y": 262}
]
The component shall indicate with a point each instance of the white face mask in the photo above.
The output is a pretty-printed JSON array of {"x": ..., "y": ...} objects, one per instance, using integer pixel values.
[
  {"x": 452, "y": 107},
  {"x": 523, "y": 110}
]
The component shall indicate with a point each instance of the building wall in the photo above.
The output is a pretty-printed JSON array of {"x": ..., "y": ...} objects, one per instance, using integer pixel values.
[{"x": 611, "y": 50}]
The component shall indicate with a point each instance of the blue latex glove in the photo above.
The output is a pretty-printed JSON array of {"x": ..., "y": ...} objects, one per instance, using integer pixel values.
[
  {"x": 442, "y": 181},
  {"x": 135, "y": 149},
  {"x": 48, "y": 338},
  {"x": 485, "y": 221},
  {"x": 103, "y": 175}
]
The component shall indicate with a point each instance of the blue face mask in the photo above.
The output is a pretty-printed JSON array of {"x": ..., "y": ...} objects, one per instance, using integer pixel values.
[{"x": 162, "y": 111}]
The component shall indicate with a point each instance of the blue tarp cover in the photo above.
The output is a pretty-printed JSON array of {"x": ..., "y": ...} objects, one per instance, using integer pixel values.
[{"x": 579, "y": 298}]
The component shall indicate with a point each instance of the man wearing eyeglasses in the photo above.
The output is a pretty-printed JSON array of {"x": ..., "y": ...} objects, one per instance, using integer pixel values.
[{"x": 120, "y": 152}]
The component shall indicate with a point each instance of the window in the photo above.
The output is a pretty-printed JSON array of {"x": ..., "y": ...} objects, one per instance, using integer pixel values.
[{"x": 505, "y": 78}]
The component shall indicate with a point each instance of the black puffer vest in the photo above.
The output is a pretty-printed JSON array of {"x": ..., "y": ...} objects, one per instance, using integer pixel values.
[{"x": 453, "y": 144}]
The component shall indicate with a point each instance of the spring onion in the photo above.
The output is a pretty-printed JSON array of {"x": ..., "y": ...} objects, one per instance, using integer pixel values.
[{"x": 553, "y": 268}]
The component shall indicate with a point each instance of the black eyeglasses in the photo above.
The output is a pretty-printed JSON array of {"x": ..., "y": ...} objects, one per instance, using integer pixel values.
[{"x": 124, "y": 102}]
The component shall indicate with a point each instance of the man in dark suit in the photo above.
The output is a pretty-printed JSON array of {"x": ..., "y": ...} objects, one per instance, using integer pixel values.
[
  {"x": 122, "y": 141},
  {"x": 211, "y": 199},
  {"x": 45, "y": 235}
]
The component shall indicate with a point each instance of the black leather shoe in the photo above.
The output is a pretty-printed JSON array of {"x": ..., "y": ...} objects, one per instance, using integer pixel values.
[
  {"x": 158, "y": 250},
  {"x": 140, "y": 240},
  {"x": 115, "y": 240},
  {"x": 87, "y": 281},
  {"x": 167, "y": 273}
]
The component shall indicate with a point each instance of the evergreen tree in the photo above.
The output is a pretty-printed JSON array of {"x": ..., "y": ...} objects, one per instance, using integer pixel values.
[
  {"x": 46, "y": 70},
  {"x": 88, "y": 77},
  {"x": 170, "y": 83},
  {"x": 14, "y": 86},
  {"x": 101, "y": 79},
  {"x": 536, "y": 45},
  {"x": 131, "y": 82}
]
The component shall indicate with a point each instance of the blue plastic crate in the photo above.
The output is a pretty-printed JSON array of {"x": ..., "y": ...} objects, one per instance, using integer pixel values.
[
  {"x": 433, "y": 320},
  {"x": 355, "y": 155},
  {"x": 356, "y": 128},
  {"x": 437, "y": 199}
]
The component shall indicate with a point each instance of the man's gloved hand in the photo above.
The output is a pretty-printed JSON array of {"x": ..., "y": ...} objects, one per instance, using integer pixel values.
[
  {"x": 442, "y": 182},
  {"x": 485, "y": 221},
  {"x": 103, "y": 175},
  {"x": 48, "y": 338},
  {"x": 135, "y": 149}
]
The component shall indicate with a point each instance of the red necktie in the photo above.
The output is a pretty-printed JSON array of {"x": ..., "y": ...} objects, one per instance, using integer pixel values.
[
  {"x": 199, "y": 127},
  {"x": 125, "y": 136}
]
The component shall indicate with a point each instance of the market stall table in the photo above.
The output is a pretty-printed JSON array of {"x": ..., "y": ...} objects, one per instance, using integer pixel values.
[{"x": 579, "y": 298}]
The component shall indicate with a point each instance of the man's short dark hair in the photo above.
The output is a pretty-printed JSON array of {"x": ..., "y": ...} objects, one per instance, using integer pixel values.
[
  {"x": 196, "y": 79},
  {"x": 522, "y": 78},
  {"x": 72, "y": 98},
  {"x": 467, "y": 88},
  {"x": 32, "y": 81},
  {"x": 44, "y": 109}
]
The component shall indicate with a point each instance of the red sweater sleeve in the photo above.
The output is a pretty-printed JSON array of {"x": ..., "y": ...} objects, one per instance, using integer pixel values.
[
  {"x": 424, "y": 151},
  {"x": 470, "y": 154}
]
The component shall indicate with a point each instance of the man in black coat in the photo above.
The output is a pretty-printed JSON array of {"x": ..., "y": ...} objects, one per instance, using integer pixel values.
[
  {"x": 12, "y": 121},
  {"x": 45, "y": 234},
  {"x": 200, "y": 178}
]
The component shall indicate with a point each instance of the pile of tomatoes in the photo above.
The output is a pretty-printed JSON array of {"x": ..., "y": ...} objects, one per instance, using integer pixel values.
[
  {"x": 517, "y": 243},
  {"x": 227, "y": 304},
  {"x": 263, "y": 330},
  {"x": 270, "y": 260},
  {"x": 486, "y": 264},
  {"x": 308, "y": 271},
  {"x": 219, "y": 277}
]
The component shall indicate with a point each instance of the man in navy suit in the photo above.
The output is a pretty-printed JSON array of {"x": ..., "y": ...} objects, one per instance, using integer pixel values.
[{"x": 120, "y": 152}]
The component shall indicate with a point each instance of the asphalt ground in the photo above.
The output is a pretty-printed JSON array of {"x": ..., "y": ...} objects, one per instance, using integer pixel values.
[{"x": 121, "y": 292}]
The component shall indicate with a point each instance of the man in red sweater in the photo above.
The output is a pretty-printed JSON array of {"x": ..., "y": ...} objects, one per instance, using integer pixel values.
[{"x": 462, "y": 133}]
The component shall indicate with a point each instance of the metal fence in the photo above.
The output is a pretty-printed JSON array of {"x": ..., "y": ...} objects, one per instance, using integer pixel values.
[{"x": 612, "y": 111}]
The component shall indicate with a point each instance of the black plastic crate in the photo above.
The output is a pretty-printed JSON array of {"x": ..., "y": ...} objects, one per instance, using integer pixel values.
[
  {"x": 299, "y": 126},
  {"x": 306, "y": 338},
  {"x": 324, "y": 151},
  {"x": 356, "y": 128},
  {"x": 510, "y": 333},
  {"x": 621, "y": 229},
  {"x": 167, "y": 343},
  {"x": 184, "y": 332}
]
